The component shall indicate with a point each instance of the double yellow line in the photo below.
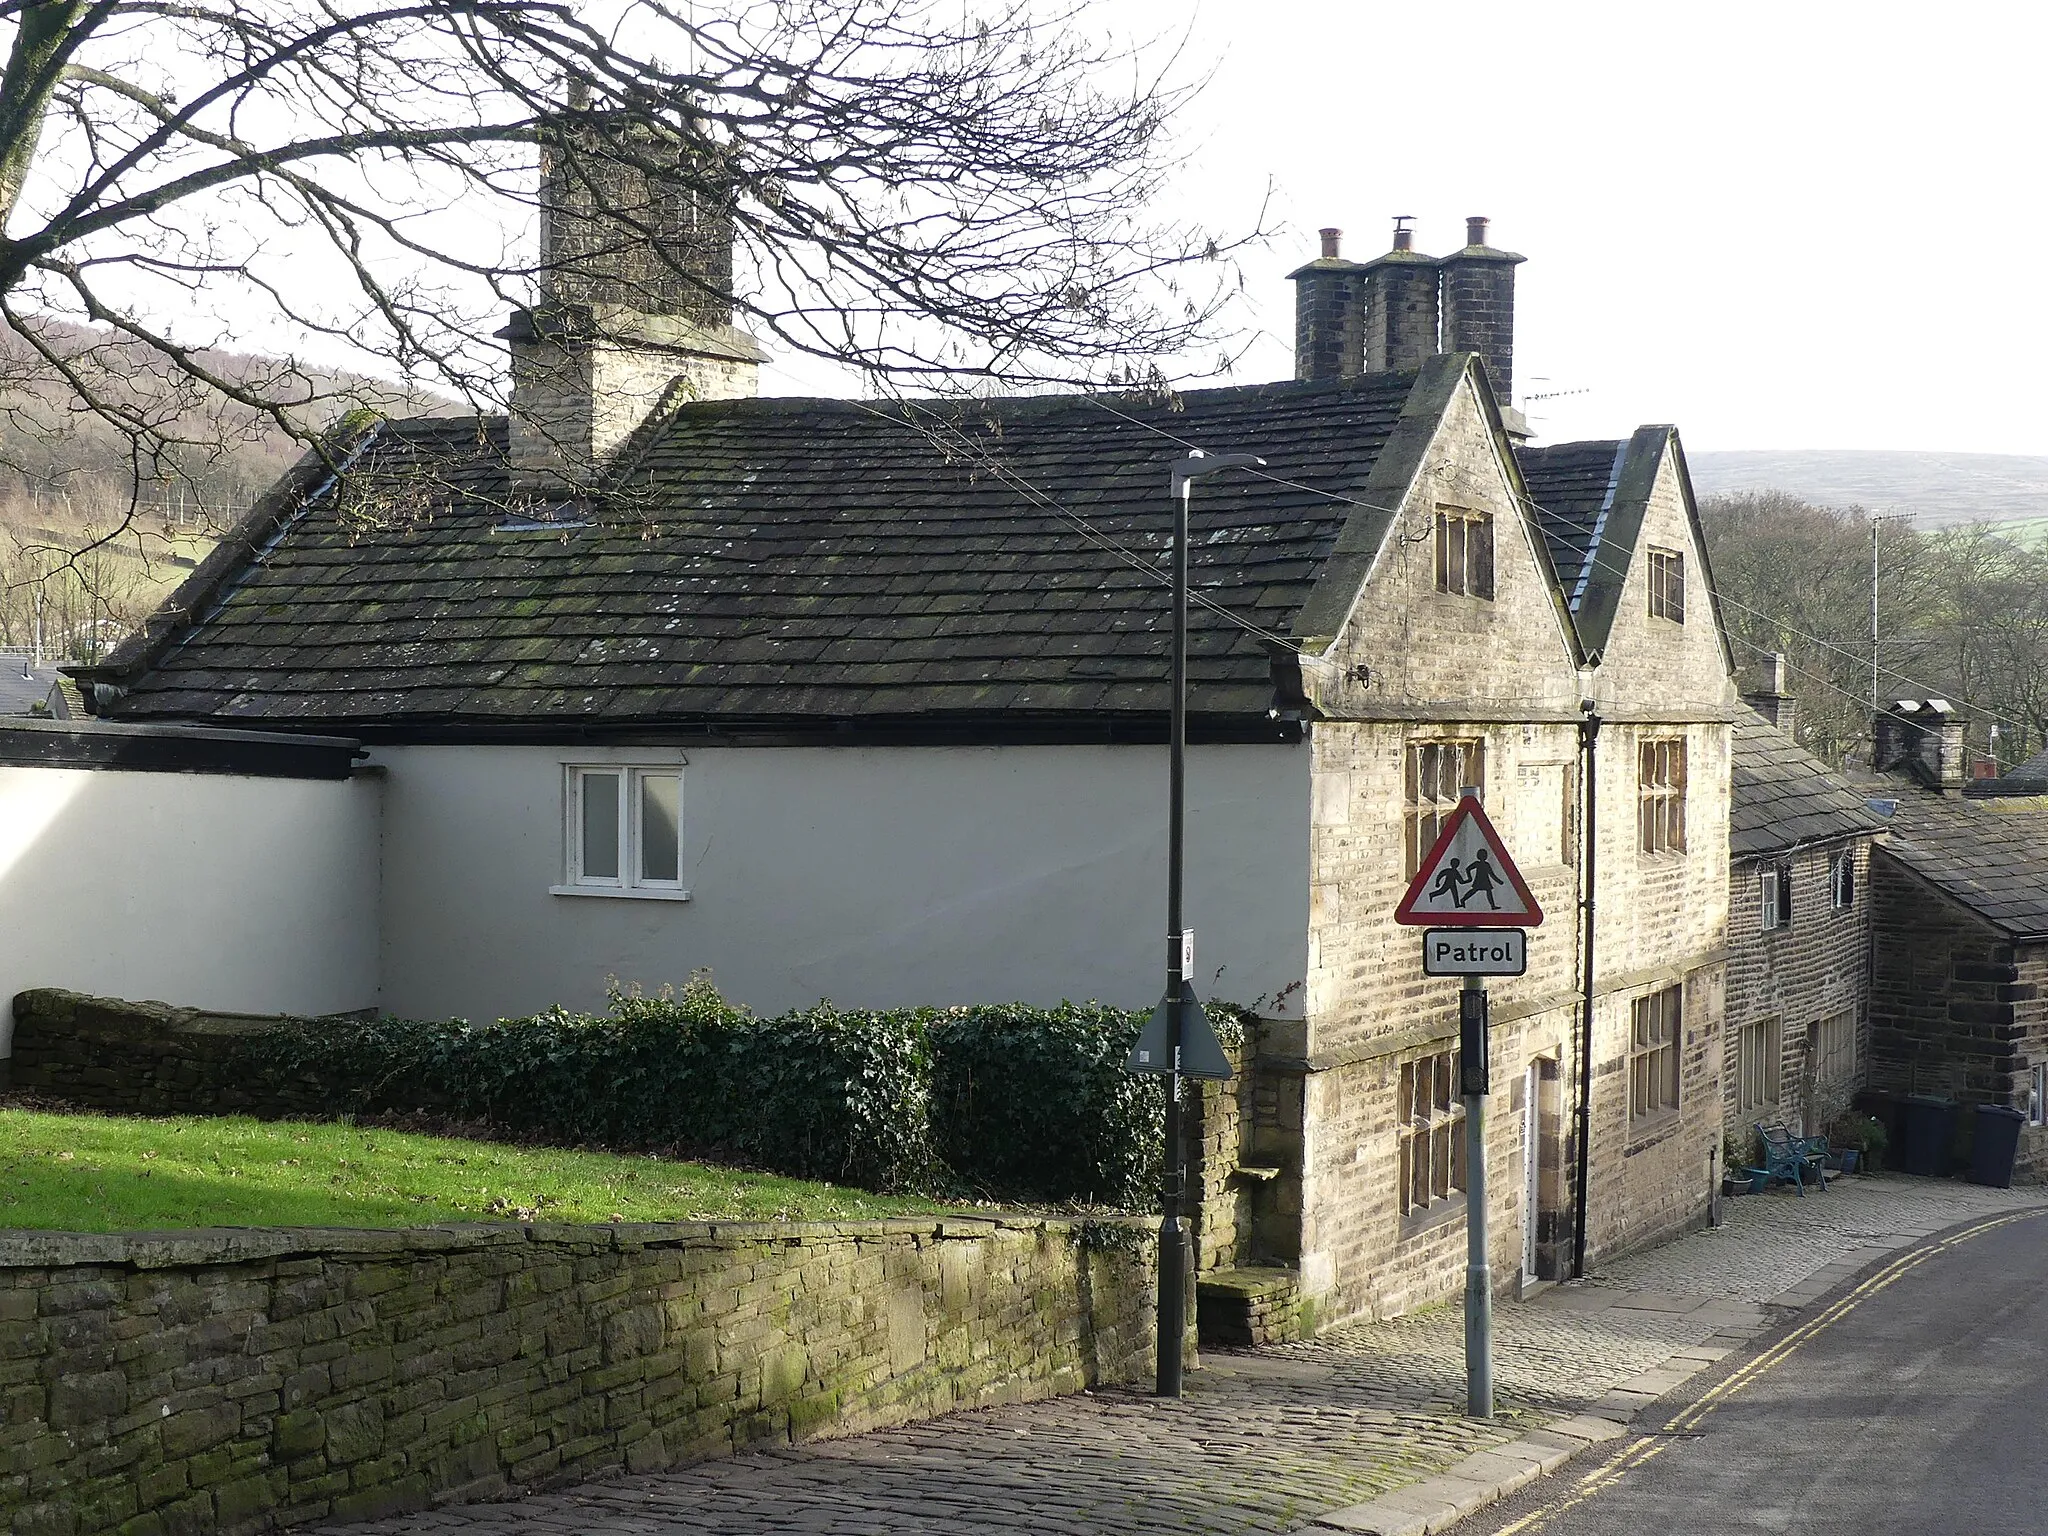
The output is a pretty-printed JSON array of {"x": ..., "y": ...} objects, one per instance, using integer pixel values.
[{"x": 1644, "y": 1447}]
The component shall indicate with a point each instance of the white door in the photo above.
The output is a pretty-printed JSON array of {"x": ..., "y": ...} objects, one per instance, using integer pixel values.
[{"x": 1532, "y": 1088}]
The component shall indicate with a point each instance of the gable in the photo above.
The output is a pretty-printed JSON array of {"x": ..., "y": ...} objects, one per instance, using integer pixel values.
[
  {"x": 1607, "y": 508},
  {"x": 762, "y": 560},
  {"x": 1383, "y": 635}
]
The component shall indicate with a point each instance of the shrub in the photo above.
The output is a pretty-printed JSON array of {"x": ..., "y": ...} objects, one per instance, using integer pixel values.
[
  {"x": 817, "y": 1093},
  {"x": 1035, "y": 1104},
  {"x": 1010, "y": 1101}
]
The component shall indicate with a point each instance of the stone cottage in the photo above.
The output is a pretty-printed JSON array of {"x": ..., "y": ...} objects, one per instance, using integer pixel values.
[
  {"x": 1959, "y": 977},
  {"x": 861, "y": 700},
  {"x": 1799, "y": 925}
]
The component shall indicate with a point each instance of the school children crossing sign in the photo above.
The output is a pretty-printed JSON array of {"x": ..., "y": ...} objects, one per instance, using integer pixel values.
[{"x": 1468, "y": 880}]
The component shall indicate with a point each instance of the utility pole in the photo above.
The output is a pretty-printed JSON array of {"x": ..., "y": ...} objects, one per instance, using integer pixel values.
[
  {"x": 1874, "y": 520},
  {"x": 1180, "y": 943}
]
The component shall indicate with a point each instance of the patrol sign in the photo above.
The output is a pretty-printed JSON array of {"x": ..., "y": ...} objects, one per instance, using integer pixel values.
[{"x": 1475, "y": 952}]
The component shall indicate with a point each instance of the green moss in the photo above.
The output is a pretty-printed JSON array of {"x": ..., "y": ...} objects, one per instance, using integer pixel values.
[{"x": 809, "y": 1415}]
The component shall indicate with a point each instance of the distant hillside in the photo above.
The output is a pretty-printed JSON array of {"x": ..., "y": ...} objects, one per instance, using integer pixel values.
[
  {"x": 1938, "y": 489},
  {"x": 65, "y": 467}
]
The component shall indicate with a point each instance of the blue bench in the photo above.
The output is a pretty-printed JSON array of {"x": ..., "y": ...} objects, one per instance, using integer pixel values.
[{"x": 1797, "y": 1158}]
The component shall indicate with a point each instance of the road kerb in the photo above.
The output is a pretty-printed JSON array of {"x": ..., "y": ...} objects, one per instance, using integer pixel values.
[
  {"x": 1430, "y": 1505},
  {"x": 1485, "y": 1476}
]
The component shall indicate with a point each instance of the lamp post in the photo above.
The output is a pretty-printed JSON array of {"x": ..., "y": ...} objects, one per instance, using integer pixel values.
[{"x": 1180, "y": 989}]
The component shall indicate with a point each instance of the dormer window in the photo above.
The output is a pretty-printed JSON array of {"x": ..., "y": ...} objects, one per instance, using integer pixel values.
[
  {"x": 1667, "y": 585},
  {"x": 1464, "y": 552}
]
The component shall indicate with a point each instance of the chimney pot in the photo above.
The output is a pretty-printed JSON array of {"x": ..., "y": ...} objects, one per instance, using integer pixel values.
[
  {"x": 1475, "y": 230},
  {"x": 1329, "y": 315},
  {"x": 1404, "y": 237}
]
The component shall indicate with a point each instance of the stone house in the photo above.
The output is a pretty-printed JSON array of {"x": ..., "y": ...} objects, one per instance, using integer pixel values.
[
  {"x": 1959, "y": 976},
  {"x": 1799, "y": 926},
  {"x": 1656, "y": 699},
  {"x": 860, "y": 700}
]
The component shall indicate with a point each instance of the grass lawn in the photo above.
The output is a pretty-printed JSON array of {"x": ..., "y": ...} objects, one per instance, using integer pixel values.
[{"x": 105, "y": 1173}]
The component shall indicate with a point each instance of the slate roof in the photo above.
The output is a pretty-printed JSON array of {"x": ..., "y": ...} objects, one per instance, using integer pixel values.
[
  {"x": 1573, "y": 486},
  {"x": 2028, "y": 778},
  {"x": 1991, "y": 856},
  {"x": 23, "y": 686},
  {"x": 774, "y": 558},
  {"x": 1591, "y": 499},
  {"x": 1782, "y": 797}
]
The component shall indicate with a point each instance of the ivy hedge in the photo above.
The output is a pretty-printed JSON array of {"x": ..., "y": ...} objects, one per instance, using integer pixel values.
[{"x": 1005, "y": 1101}]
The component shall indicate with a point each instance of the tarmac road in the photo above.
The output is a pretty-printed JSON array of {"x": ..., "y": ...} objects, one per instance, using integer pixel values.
[{"x": 1915, "y": 1401}]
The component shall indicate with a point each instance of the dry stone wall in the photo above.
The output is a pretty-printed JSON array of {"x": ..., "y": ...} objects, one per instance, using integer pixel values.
[
  {"x": 147, "y": 1058},
  {"x": 239, "y": 1381}
]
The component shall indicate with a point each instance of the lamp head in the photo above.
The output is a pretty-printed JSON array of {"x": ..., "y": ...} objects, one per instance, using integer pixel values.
[{"x": 1198, "y": 464}]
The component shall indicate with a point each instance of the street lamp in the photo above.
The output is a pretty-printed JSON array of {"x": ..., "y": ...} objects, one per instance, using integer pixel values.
[{"x": 1180, "y": 998}]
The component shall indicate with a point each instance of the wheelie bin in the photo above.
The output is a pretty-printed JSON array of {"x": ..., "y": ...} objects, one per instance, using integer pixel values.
[
  {"x": 1930, "y": 1130},
  {"x": 1995, "y": 1145}
]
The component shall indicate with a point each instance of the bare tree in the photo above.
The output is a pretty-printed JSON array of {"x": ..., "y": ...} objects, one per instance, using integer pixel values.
[
  {"x": 1962, "y": 613},
  {"x": 932, "y": 191},
  {"x": 1795, "y": 580}
]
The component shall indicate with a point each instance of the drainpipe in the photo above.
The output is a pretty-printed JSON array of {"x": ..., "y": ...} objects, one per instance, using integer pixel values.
[{"x": 1589, "y": 780}]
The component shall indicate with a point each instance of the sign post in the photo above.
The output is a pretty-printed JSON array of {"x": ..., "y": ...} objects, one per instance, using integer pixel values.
[
  {"x": 1472, "y": 1074},
  {"x": 1476, "y": 906}
]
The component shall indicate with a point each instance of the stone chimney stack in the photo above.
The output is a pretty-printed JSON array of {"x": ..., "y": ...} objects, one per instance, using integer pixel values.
[
  {"x": 1329, "y": 314},
  {"x": 1479, "y": 306},
  {"x": 635, "y": 300},
  {"x": 1925, "y": 738},
  {"x": 1400, "y": 305},
  {"x": 1943, "y": 750},
  {"x": 1770, "y": 697}
]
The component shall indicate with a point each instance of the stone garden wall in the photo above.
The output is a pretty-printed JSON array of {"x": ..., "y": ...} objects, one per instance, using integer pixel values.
[
  {"x": 147, "y": 1058},
  {"x": 234, "y": 1381}
]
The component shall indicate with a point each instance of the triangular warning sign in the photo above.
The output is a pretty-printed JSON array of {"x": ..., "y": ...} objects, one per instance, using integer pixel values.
[
  {"x": 1468, "y": 880},
  {"x": 1201, "y": 1053}
]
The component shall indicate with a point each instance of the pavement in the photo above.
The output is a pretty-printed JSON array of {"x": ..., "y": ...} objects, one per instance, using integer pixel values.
[
  {"x": 1360, "y": 1429},
  {"x": 1909, "y": 1403}
]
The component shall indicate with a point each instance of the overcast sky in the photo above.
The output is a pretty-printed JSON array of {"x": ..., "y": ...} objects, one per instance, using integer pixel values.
[{"x": 1787, "y": 225}]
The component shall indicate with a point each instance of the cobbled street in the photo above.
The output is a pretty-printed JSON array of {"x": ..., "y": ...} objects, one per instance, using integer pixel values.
[{"x": 1267, "y": 1440}]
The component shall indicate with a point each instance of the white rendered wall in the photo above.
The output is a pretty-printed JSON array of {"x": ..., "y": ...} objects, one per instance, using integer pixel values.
[
  {"x": 247, "y": 895},
  {"x": 870, "y": 876}
]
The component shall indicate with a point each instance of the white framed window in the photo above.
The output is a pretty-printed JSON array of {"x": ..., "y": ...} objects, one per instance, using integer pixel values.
[
  {"x": 623, "y": 830},
  {"x": 1842, "y": 880},
  {"x": 2037, "y": 1096},
  {"x": 1774, "y": 902}
]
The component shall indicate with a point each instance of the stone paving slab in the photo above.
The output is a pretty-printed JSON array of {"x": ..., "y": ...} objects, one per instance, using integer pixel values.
[{"x": 1358, "y": 1430}]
